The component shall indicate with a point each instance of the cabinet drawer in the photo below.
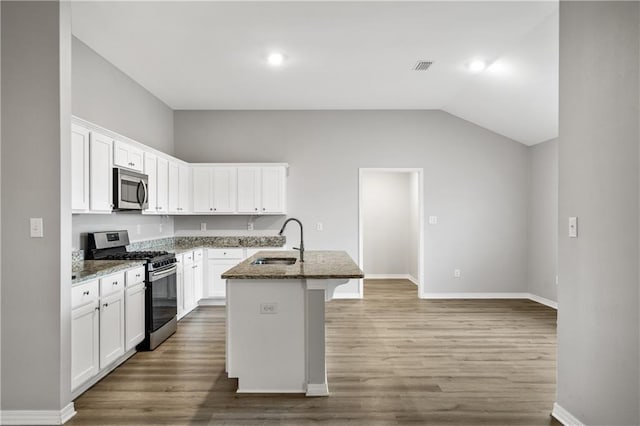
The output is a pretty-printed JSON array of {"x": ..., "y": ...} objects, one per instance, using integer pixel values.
[
  {"x": 135, "y": 276},
  {"x": 198, "y": 255},
  {"x": 230, "y": 253},
  {"x": 112, "y": 284},
  {"x": 84, "y": 293},
  {"x": 187, "y": 258}
]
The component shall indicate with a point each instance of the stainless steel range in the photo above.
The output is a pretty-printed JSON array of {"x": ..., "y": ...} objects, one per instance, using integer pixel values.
[{"x": 161, "y": 305}]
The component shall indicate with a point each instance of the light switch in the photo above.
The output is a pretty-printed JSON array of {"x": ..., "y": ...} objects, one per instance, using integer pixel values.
[
  {"x": 36, "y": 227},
  {"x": 573, "y": 227},
  {"x": 433, "y": 220}
]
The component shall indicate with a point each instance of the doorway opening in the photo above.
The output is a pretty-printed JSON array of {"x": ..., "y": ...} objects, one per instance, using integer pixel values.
[{"x": 391, "y": 225}]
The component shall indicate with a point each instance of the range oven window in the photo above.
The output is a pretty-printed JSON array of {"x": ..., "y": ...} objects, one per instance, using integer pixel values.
[{"x": 164, "y": 303}]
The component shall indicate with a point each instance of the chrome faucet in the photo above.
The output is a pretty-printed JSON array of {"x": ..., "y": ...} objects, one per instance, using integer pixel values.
[{"x": 284, "y": 225}]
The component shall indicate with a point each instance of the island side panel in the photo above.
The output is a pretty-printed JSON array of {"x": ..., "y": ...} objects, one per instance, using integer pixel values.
[
  {"x": 316, "y": 358},
  {"x": 266, "y": 346}
]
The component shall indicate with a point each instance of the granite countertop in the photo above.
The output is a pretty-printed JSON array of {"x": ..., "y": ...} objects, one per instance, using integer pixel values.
[
  {"x": 92, "y": 269},
  {"x": 316, "y": 265},
  {"x": 184, "y": 244}
]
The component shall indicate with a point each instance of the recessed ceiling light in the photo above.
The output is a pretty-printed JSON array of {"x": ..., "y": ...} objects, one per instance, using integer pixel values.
[
  {"x": 275, "y": 59},
  {"x": 477, "y": 66}
]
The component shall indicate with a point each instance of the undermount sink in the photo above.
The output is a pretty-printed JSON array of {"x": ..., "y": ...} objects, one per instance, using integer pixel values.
[{"x": 274, "y": 261}]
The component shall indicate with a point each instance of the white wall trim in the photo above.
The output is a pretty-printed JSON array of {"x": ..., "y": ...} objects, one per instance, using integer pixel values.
[
  {"x": 532, "y": 297},
  {"x": 212, "y": 302},
  {"x": 352, "y": 295},
  {"x": 476, "y": 295},
  {"x": 565, "y": 417},
  {"x": 317, "y": 389},
  {"x": 37, "y": 417},
  {"x": 409, "y": 277},
  {"x": 543, "y": 301}
]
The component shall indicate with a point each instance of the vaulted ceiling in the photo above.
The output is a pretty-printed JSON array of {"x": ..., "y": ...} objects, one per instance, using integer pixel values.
[{"x": 340, "y": 55}]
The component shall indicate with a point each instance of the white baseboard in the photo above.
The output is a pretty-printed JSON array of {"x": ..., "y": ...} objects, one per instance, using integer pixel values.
[
  {"x": 317, "y": 389},
  {"x": 565, "y": 417},
  {"x": 529, "y": 296},
  {"x": 212, "y": 302},
  {"x": 337, "y": 295},
  {"x": 476, "y": 295},
  {"x": 543, "y": 301},
  {"x": 37, "y": 417},
  {"x": 387, "y": 277}
]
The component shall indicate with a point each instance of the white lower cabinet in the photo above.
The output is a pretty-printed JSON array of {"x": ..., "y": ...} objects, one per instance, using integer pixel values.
[
  {"x": 180, "y": 286},
  {"x": 107, "y": 320},
  {"x": 111, "y": 328},
  {"x": 190, "y": 281},
  {"x": 218, "y": 261},
  {"x": 134, "y": 307},
  {"x": 84, "y": 334}
]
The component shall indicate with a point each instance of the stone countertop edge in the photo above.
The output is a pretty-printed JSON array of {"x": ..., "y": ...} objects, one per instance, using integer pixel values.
[
  {"x": 317, "y": 265},
  {"x": 95, "y": 269}
]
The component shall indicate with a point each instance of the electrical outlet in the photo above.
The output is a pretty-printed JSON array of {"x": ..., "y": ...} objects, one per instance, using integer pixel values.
[
  {"x": 456, "y": 273},
  {"x": 319, "y": 226},
  {"x": 268, "y": 308},
  {"x": 139, "y": 229},
  {"x": 250, "y": 226},
  {"x": 433, "y": 220},
  {"x": 573, "y": 227},
  {"x": 160, "y": 227},
  {"x": 557, "y": 280},
  {"x": 203, "y": 226}
]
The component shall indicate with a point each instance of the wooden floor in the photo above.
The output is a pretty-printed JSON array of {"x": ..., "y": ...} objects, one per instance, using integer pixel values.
[{"x": 391, "y": 358}]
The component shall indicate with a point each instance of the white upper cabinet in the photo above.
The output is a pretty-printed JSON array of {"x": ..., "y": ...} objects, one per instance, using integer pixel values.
[
  {"x": 100, "y": 173},
  {"x": 157, "y": 168},
  {"x": 151, "y": 170},
  {"x": 128, "y": 156},
  {"x": 224, "y": 189},
  {"x": 79, "y": 168},
  {"x": 261, "y": 190},
  {"x": 178, "y": 188},
  {"x": 249, "y": 199},
  {"x": 214, "y": 190},
  {"x": 273, "y": 190}
]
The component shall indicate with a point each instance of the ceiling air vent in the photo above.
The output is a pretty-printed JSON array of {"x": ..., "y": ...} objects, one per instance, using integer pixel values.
[{"x": 422, "y": 65}]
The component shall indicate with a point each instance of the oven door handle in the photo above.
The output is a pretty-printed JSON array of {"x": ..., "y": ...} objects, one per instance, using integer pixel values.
[{"x": 154, "y": 276}]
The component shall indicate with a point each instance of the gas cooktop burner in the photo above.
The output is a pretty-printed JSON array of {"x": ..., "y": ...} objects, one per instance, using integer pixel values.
[{"x": 136, "y": 255}]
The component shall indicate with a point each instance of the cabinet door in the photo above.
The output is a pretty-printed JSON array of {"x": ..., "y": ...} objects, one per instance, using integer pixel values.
[
  {"x": 189, "y": 290},
  {"x": 249, "y": 190},
  {"x": 100, "y": 173},
  {"x": 216, "y": 286},
  {"x": 151, "y": 170},
  {"x": 79, "y": 168},
  {"x": 198, "y": 281},
  {"x": 184, "y": 175},
  {"x": 84, "y": 344},
  {"x": 121, "y": 155},
  {"x": 163, "y": 185},
  {"x": 111, "y": 328},
  {"x": 134, "y": 316},
  {"x": 224, "y": 189},
  {"x": 273, "y": 190},
  {"x": 174, "y": 187},
  {"x": 202, "y": 190},
  {"x": 135, "y": 158}
]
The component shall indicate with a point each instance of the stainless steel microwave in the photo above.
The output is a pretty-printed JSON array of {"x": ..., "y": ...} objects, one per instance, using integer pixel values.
[{"x": 130, "y": 190}]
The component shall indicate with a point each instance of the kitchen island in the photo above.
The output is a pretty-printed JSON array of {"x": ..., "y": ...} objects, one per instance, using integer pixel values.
[{"x": 275, "y": 319}]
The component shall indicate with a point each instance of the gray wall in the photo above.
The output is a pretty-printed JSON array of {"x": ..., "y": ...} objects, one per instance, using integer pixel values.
[
  {"x": 598, "y": 323},
  {"x": 543, "y": 219},
  {"x": 34, "y": 116},
  {"x": 106, "y": 96},
  {"x": 475, "y": 181}
]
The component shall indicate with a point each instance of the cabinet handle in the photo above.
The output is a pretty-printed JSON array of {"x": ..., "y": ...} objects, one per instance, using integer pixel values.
[
  {"x": 105, "y": 305},
  {"x": 263, "y": 209},
  {"x": 115, "y": 283},
  {"x": 256, "y": 209},
  {"x": 111, "y": 205},
  {"x": 137, "y": 275},
  {"x": 194, "y": 266},
  {"x": 97, "y": 308},
  {"x": 210, "y": 209},
  {"x": 86, "y": 293}
]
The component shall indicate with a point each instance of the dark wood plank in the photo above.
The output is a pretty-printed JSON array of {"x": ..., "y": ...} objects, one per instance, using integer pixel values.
[{"x": 392, "y": 359}]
